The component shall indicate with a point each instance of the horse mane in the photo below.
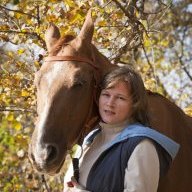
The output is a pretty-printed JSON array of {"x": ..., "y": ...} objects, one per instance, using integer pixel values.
[
  {"x": 163, "y": 98},
  {"x": 63, "y": 40},
  {"x": 173, "y": 107}
]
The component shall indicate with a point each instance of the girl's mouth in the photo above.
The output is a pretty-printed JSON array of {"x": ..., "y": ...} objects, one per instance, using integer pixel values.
[{"x": 109, "y": 112}]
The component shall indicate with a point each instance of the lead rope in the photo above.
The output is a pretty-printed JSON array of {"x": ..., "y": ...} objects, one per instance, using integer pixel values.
[
  {"x": 75, "y": 163},
  {"x": 45, "y": 183}
]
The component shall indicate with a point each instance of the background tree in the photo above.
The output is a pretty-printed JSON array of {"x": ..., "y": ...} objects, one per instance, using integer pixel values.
[{"x": 152, "y": 35}]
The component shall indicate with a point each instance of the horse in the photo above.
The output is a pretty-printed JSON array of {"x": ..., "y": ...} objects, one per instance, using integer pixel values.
[{"x": 67, "y": 95}]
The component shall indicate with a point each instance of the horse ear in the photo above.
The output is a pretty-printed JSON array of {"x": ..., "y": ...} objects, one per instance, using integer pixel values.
[
  {"x": 88, "y": 28},
  {"x": 52, "y": 34}
]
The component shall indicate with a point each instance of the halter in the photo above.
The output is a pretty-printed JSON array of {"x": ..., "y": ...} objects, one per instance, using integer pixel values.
[
  {"x": 70, "y": 58},
  {"x": 89, "y": 121}
]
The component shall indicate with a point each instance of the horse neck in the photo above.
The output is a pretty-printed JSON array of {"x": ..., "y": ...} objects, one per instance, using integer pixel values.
[
  {"x": 102, "y": 62},
  {"x": 104, "y": 66}
]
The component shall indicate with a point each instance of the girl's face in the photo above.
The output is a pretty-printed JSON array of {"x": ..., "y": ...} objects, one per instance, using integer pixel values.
[{"x": 115, "y": 103}]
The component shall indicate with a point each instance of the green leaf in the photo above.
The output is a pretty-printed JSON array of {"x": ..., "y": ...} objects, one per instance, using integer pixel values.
[
  {"x": 10, "y": 117},
  {"x": 17, "y": 125}
]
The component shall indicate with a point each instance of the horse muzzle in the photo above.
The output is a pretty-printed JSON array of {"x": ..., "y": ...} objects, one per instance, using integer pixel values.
[{"x": 46, "y": 159}]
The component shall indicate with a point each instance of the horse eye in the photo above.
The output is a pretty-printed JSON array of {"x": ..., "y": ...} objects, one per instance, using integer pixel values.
[{"x": 79, "y": 83}]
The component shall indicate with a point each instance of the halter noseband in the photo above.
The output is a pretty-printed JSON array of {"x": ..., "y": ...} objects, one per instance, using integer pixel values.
[{"x": 70, "y": 58}]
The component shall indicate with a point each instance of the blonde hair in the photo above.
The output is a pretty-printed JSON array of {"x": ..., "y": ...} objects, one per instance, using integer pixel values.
[{"x": 137, "y": 89}]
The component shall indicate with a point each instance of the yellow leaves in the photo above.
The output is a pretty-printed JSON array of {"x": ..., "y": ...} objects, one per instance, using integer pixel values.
[
  {"x": 5, "y": 99},
  {"x": 70, "y": 3},
  {"x": 17, "y": 125},
  {"x": 145, "y": 24},
  {"x": 148, "y": 42},
  {"x": 109, "y": 9},
  {"x": 75, "y": 15},
  {"x": 37, "y": 65},
  {"x": 53, "y": 1},
  {"x": 10, "y": 117},
  {"x": 10, "y": 54},
  {"x": 4, "y": 27},
  {"x": 39, "y": 30},
  {"x": 160, "y": 40},
  {"x": 116, "y": 15},
  {"x": 20, "y": 51},
  {"x": 164, "y": 43},
  {"x": 25, "y": 93},
  {"x": 19, "y": 137},
  {"x": 51, "y": 18},
  {"x": 102, "y": 23},
  {"x": 151, "y": 84},
  {"x": 18, "y": 15},
  {"x": 188, "y": 110}
]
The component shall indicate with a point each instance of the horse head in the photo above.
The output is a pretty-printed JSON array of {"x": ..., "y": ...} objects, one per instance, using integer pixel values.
[{"x": 66, "y": 96}]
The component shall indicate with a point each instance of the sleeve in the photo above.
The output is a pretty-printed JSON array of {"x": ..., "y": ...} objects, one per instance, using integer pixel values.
[
  {"x": 142, "y": 172},
  {"x": 67, "y": 178}
]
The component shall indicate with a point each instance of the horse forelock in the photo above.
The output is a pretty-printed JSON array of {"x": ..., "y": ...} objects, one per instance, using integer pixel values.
[{"x": 63, "y": 40}]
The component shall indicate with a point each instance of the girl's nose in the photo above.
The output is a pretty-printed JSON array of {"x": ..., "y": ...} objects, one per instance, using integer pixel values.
[{"x": 111, "y": 101}]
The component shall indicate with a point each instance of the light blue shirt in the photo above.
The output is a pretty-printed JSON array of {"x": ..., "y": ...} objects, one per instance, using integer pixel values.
[{"x": 136, "y": 129}]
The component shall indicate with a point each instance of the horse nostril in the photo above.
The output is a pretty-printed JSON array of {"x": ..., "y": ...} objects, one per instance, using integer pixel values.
[{"x": 52, "y": 153}]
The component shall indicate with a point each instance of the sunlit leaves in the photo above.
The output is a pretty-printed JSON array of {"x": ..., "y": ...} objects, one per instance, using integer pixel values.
[
  {"x": 155, "y": 46},
  {"x": 70, "y": 3},
  {"x": 10, "y": 117},
  {"x": 20, "y": 51},
  {"x": 188, "y": 110}
]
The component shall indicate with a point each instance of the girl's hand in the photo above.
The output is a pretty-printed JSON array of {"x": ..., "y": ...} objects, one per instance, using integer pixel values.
[{"x": 74, "y": 186}]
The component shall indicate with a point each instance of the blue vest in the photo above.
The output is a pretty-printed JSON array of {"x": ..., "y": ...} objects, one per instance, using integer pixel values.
[{"x": 107, "y": 173}]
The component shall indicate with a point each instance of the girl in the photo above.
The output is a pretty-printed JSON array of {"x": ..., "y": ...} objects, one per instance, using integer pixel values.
[{"x": 122, "y": 153}]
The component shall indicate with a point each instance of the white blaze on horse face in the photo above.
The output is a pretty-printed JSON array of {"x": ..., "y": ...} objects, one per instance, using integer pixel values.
[
  {"x": 53, "y": 73},
  {"x": 41, "y": 152},
  {"x": 56, "y": 72},
  {"x": 50, "y": 78}
]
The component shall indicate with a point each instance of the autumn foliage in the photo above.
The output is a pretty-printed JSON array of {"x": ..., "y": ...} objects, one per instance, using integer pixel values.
[{"x": 154, "y": 36}]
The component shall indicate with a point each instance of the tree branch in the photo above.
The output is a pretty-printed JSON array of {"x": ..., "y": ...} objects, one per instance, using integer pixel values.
[
  {"x": 180, "y": 57},
  {"x": 18, "y": 11},
  {"x": 38, "y": 16},
  {"x": 26, "y": 33},
  {"x": 155, "y": 76},
  {"x": 126, "y": 48},
  {"x": 14, "y": 109},
  {"x": 133, "y": 21}
]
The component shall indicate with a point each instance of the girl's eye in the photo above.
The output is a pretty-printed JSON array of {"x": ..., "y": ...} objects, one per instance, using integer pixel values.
[
  {"x": 105, "y": 94},
  {"x": 121, "y": 98}
]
